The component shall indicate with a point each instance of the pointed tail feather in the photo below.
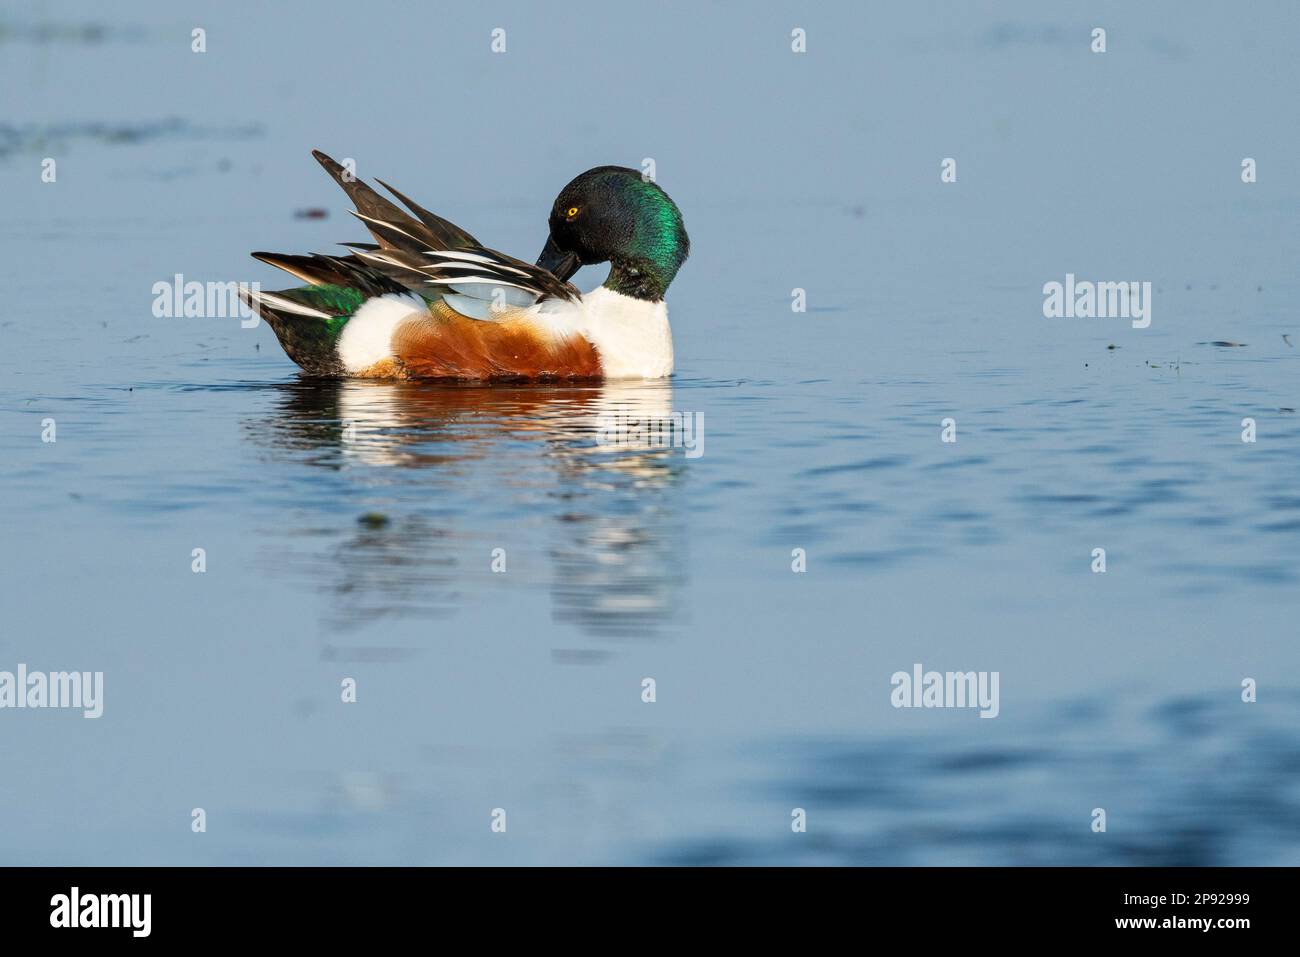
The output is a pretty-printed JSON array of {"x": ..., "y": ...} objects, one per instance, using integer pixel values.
[
  {"x": 403, "y": 231},
  {"x": 450, "y": 235}
]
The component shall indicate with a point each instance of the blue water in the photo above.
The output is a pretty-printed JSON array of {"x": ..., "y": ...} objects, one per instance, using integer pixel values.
[{"x": 367, "y": 552}]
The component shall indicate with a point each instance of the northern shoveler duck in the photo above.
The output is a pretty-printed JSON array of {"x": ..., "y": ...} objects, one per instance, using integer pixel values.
[{"x": 426, "y": 300}]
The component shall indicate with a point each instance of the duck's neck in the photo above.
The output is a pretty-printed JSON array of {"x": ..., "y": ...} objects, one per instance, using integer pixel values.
[
  {"x": 657, "y": 249},
  {"x": 639, "y": 278}
]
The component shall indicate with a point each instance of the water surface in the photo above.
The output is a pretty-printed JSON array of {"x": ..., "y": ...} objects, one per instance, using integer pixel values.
[{"x": 350, "y": 528}]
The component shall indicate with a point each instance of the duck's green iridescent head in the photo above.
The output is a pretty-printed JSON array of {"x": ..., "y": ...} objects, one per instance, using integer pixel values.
[{"x": 612, "y": 214}]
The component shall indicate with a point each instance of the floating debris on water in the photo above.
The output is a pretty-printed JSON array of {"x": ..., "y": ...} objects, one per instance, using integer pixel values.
[
  {"x": 1224, "y": 344},
  {"x": 312, "y": 212},
  {"x": 373, "y": 520}
]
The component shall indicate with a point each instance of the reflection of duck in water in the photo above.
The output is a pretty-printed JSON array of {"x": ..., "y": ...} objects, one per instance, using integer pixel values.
[
  {"x": 426, "y": 300},
  {"x": 608, "y": 500},
  {"x": 415, "y": 424}
]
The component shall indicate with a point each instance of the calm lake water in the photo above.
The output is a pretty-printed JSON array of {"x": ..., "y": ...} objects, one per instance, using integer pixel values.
[{"x": 350, "y": 528}]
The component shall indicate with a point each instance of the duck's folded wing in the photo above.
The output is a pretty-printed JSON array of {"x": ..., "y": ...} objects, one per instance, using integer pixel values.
[
  {"x": 433, "y": 257},
  {"x": 347, "y": 272},
  {"x": 480, "y": 283}
]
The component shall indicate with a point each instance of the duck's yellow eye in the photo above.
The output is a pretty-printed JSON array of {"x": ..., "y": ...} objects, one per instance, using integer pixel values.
[{"x": 571, "y": 211}]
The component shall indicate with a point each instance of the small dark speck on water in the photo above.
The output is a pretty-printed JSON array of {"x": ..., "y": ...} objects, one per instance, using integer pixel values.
[
  {"x": 1287, "y": 340},
  {"x": 373, "y": 520},
  {"x": 1224, "y": 343},
  {"x": 579, "y": 656},
  {"x": 1112, "y": 347},
  {"x": 313, "y": 212}
]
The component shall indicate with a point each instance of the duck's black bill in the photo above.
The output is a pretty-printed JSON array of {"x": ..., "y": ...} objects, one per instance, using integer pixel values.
[{"x": 558, "y": 262}]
